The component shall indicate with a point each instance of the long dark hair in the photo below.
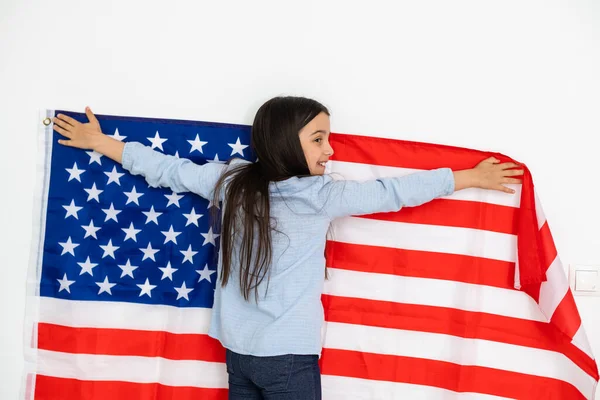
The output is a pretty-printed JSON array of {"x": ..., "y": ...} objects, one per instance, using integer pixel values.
[{"x": 275, "y": 141}]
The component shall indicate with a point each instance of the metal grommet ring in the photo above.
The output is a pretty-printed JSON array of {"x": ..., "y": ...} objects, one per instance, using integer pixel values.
[{"x": 47, "y": 121}]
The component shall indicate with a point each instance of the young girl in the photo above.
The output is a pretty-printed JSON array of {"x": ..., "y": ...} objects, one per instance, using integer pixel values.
[{"x": 267, "y": 310}]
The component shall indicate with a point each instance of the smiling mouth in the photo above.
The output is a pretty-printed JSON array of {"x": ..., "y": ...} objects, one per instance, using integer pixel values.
[{"x": 322, "y": 163}]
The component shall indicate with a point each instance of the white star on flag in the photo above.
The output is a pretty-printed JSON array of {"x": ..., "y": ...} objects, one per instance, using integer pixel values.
[
  {"x": 87, "y": 266},
  {"x": 237, "y": 147},
  {"x": 93, "y": 193},
  {"x": 216, "y": 160},
  {"x": 94, "y": 157},
  {"x": 131, "y": 232},
  {"x": 192, "y": 217},
  {"x": 109, "y": 249},
  {"x": 210, "y": 237},
  {"x": 90, "y": 230},
  {"x": 197, "y": 144},
  {"x": 167, "y": 271},
  {"x": 117, "y": 136},
  {"x": 149, "y": 252},
  {"x": 72, "y": 210},
  {"x": 111, "y": 213},
  {"x": 114, "y": 176},
  {"x": 170, "y": 235},
  {"x": 183, "y": 291},
  {"x": 105, "y": 286},
  {"x": 68, "y": 246},
  {"x": 152, "y": 215},
  {"x": 127, "y": 269},
  {"x": 205, "y": 273},
  {"x": 75, "y": 173},
  {"x": 157, "y": 141},
  {"x": 133, "y": 196},
  {"x": 188, "y": 255},
  {"x": 173, "y": 198},
  {"x": 64, "y": 284},
  {"x": 146, "y": 288}
]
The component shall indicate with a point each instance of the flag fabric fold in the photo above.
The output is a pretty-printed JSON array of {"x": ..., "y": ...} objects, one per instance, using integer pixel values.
[{"x": 460, "y": 298}]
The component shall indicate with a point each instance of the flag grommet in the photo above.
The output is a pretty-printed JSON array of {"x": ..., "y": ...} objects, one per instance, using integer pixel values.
[{"x": 47, "y": 121}]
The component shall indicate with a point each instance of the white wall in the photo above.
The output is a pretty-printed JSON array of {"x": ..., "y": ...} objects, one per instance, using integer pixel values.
[{"x": 520, "y": 77}]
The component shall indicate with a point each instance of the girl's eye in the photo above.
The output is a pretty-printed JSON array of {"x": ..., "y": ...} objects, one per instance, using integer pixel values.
[{"x": 318, "y": 140}]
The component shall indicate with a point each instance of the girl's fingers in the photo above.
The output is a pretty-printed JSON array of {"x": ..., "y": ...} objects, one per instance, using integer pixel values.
[
  {"x": 91, "y": 117},
  {"x": 61, "y": 130},
  {"x": 511, "y": 180},
  {"x": 62, "y": 124},
  {"x": 508, "y": 165},
  {"x": 513, "y": 172},
  {"x": 69, "y": 120},
  {"x": 65, "y": 142},
  {"x": 506, "y": 190}
]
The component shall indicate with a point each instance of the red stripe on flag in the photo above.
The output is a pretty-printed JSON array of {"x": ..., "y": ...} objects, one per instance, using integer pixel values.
[
  {"x": 126, "y": 342},
  {"x": 402, "y": 153},
  {"x": 548, "y": 247},
  {"x": 52, "y": 388},
  {"x": 566, "y": 316},
  {"x": 459, "y": 323},
  {"x": 532, "y": 290},
  {"x": 459, "y": 378},
  {"x": 420, "y": 264},
  {"x": 457, "y": 213}
]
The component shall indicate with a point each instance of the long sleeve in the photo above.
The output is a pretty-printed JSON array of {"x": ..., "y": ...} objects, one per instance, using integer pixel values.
[
  {"x": 179, "y": 174},
  {"x": 339, "y": 198}
]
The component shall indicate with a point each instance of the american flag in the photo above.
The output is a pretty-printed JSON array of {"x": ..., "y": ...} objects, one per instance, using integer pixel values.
[{"x": 420, "y": 304}]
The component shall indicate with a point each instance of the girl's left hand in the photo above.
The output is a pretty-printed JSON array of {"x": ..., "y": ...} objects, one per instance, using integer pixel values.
[{"x": 491, "y": 174}]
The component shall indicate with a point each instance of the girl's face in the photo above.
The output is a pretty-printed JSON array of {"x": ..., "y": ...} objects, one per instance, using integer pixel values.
[{"x": 314, "y": 138}]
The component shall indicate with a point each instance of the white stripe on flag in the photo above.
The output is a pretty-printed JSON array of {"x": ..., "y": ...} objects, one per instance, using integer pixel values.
[
  {"x": 554, "y": 289},
  {"x": 346, "y": 388},
  {"x": 99, "y": 314},
  {"x": 432, "y": 292},
  {"x": 580, "y": 340},
  {"x": 132, "y": 369},
  {"x": 432, "y": 238},
  {"x": 539, "y": 211},
  {"x": 458, "y": 350}
]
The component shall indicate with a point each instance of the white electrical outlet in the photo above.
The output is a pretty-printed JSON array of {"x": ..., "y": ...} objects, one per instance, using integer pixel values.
[{"x": 584, "y": 279}]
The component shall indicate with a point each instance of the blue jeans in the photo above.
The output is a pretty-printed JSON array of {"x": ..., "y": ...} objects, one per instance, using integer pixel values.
[{"x": 285, "y": 377}]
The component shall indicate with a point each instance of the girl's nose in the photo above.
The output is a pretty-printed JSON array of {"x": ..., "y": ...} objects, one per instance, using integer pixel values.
[{"x": 329, "y": 152}]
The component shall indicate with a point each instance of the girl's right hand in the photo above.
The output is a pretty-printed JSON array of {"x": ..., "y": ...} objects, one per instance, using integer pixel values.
[
  {"x": 82, "y": 136},
  {"x": 88, "y": 136}
]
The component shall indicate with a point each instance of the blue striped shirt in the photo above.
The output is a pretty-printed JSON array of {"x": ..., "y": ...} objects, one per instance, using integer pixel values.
[{"x": 288, "y": 317}]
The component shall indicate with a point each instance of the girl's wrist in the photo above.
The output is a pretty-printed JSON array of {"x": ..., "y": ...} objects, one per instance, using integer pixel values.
[
  {"x": 100, "y": 143},
  {"x": 109, "y": 147},
  {"x": 466, "y": 178}
]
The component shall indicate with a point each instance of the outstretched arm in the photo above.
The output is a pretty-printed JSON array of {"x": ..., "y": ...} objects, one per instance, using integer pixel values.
[
  {"x": 179, "y": 174},
  {"x": 342, "y": 198}
]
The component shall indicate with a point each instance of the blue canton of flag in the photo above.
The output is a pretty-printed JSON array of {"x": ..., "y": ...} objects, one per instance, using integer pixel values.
[{"x": 111, "y": 237}]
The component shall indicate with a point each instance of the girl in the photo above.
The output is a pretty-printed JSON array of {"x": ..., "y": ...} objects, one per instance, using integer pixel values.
[{"x": 267, "y": 310}]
